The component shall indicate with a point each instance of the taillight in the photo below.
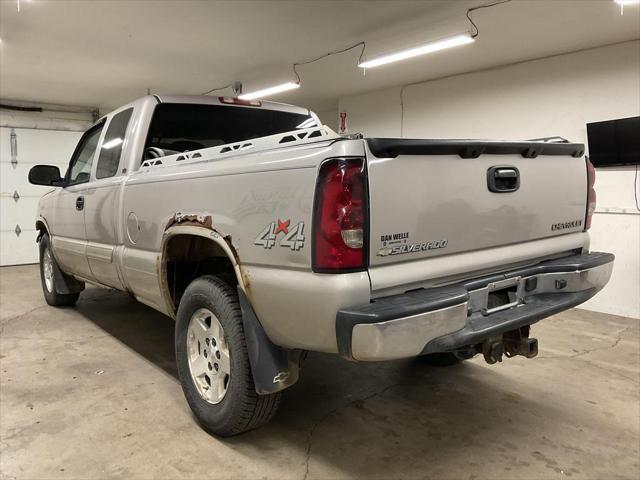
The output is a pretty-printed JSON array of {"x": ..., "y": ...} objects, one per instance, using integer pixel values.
[
  {"x": 591, "y": 194},
  {"x": 340, "y": 216}
]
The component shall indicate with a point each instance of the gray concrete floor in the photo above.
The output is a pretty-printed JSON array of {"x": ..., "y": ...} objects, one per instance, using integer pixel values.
[{"x": 92, "y": 392}]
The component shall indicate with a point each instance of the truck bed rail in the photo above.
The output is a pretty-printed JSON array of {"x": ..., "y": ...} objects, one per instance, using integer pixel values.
[{"x": 286, "y": 139}]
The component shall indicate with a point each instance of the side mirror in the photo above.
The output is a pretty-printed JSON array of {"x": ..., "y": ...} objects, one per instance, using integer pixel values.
[{"x": 46, "y": 175}]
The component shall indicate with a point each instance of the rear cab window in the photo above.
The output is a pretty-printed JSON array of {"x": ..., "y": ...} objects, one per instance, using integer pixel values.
[{"x": 177, "y": 128}]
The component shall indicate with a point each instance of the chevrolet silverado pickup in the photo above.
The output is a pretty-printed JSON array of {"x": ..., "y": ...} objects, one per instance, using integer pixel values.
[{"x": 266, "y": 235}]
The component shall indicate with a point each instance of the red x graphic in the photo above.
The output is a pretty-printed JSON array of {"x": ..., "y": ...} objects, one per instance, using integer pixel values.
[{"x": 283, "y": 226}]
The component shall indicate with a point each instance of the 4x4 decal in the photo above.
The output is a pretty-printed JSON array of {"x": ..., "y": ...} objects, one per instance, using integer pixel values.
[{"x": 293, "y": 236}]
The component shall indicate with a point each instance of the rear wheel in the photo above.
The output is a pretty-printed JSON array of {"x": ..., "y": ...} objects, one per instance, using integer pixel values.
[
  {"x": 213, "y": 363},
  {"x": 48, "y": 267}
]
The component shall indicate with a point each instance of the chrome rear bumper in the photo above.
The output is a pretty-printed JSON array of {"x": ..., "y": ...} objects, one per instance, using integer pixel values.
[{"x": 451, "y": 317}]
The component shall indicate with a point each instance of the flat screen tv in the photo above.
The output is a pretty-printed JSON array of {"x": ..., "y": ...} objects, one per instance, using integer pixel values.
[{"x": 614, "y": 142}]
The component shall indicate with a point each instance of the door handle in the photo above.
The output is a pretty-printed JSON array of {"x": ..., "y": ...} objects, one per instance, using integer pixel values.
[
  {"x": 502, "y": 179},
  {"x": 80, "y": 203}
]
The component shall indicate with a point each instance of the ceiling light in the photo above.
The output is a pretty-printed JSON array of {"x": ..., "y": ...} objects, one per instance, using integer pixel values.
[
  {"x": 422, "y": 50},
  {"x": 269, "y": 91},
  {"x": 626, "y": 2}
]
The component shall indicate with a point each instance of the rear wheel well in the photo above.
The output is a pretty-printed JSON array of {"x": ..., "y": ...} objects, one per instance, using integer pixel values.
[{"x": 187, "y": 257}]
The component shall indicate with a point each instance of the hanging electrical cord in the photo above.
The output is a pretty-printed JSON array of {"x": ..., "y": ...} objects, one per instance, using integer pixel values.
[
  {"x": 474, "y": 33},
  {"x": 475, "y": 30},
  {"x": 335, "y": 52},
  {"x": 237, "y": 86},
  {"x": 216, "y": 89}
]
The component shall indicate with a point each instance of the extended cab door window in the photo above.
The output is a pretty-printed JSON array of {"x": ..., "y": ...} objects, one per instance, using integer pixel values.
[
  {"x": 111, "y": 150},
  {"x": 82, "y": 160}
]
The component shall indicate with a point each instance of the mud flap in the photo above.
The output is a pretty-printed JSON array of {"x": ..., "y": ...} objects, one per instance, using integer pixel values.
[
  {"x": 65, "y": 284},
  {"x": 274, "y": 368}
]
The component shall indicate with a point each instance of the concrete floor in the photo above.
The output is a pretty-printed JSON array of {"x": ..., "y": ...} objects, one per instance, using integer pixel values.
[{"x": 92, "y": 392}]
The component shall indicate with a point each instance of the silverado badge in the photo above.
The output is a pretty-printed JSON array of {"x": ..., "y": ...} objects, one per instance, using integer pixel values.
[{"x": 411, "y": 247}]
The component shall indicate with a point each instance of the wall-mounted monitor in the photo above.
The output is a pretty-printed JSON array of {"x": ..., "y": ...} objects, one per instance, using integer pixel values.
[{"x": 614, "y": 142}]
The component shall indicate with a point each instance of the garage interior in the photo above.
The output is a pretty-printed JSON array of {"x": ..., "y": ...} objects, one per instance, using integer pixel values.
[{"x": 92, "y": 391}]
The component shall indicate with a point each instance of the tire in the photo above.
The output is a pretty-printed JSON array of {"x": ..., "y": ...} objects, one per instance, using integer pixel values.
[
  {"x": 218, "y": 385},
  {"x": 445, "y": 359},
  {"x": 48, "y": 267}
]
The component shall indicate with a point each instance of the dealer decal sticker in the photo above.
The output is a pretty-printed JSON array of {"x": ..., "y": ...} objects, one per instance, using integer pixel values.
[
  {"x": 292, "y": 236},
  {"x": 398, "y": 244}
]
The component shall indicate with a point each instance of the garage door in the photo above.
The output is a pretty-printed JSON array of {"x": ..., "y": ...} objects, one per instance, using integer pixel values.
[{"x": 18, "y": 198}]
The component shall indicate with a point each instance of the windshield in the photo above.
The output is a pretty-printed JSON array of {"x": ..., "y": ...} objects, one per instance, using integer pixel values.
[{"x": 177, "y": 127}]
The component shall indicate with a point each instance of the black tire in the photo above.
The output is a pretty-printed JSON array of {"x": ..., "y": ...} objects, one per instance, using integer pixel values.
[
  {"x": 51, "y": 295},
  {"x": 241, "y": 409},
  {"x": 444, "y": 359}
]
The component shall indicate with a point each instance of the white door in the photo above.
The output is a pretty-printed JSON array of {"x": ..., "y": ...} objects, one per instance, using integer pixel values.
[{"x": 18, "y": 198}]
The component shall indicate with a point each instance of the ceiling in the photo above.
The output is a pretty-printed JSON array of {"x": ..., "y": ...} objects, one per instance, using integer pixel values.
[{"x": 105, "y": 53}]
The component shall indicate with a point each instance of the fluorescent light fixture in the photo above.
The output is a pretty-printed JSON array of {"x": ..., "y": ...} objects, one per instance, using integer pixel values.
[
  {"x": 627, "y": 2},
  {"x": 422, "y": 50},
  {"x": 112, "y": 143},
  {"x": 269, "y": 91}
]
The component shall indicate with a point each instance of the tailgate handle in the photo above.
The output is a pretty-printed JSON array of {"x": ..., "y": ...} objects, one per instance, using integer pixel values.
[{"x": 503, "y": 179}]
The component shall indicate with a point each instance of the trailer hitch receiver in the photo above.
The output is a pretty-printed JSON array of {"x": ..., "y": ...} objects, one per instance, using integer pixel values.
[
  {"x": 517, "y": 342},
  {"x": 510, "y": 344}
]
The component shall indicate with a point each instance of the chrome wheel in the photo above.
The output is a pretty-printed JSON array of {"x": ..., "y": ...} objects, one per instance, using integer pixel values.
[
  {"x": 47, "y": 269},
  {"x": 208, "y": 356}
]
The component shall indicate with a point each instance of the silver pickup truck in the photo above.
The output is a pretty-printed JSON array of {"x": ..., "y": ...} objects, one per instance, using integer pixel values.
[{"x": 267, "y": 235}]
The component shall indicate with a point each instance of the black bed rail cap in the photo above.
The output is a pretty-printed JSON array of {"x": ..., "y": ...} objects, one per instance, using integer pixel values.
[{"x": 392, "y": 147}]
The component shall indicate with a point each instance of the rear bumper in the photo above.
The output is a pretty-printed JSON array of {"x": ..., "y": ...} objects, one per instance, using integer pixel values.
[{"x": 448, "y": 318}]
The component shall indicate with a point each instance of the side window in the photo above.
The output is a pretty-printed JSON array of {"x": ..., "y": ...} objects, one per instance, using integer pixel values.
[
  {"x": 80, "y": 168},
  {"x": 111, "y": 149}
]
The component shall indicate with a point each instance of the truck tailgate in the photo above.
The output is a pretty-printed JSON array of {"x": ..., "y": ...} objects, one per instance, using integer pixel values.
[{"x": 432, "y": 198}]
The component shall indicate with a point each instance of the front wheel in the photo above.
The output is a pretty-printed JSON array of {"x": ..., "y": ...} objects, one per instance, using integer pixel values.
[
  {"x": 213, "y": 363},
  {"x": 48, "y": 267}
]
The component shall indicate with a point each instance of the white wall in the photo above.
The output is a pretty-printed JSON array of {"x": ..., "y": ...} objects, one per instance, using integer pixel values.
[
  {"x": 329, "y": 117},
  {"x": 47, "y": 137},
  {"x": 553, "y": 96}
]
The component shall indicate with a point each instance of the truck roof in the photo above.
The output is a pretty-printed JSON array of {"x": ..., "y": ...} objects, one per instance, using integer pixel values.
[
  {"x": 216, "y": 100},
  {"x": 210, "y": 100}
]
